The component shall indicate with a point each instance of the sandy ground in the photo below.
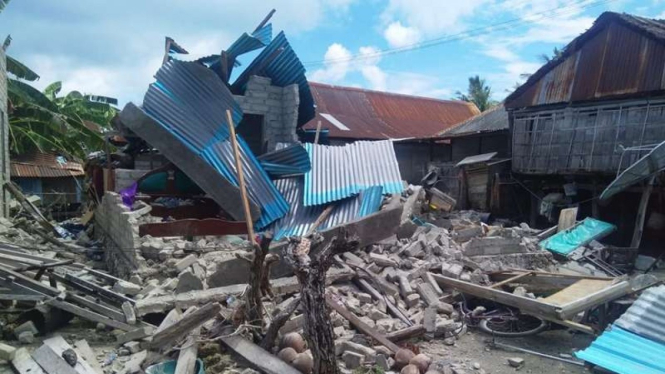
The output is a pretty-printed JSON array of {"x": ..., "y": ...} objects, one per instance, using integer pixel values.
[{"x": 473, "y": 348}]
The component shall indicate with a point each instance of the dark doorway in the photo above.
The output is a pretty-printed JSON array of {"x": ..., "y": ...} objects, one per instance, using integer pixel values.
[{"x": 251, "y": 129}]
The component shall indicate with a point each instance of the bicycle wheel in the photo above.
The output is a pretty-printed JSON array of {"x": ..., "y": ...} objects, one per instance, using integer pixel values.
[{"x": 512, "y": 326}]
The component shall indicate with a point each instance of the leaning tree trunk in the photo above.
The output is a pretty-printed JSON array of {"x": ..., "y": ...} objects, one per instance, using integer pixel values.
[
  {"x": 311, "y": 274},
  {"x": 258, "y": 279}
]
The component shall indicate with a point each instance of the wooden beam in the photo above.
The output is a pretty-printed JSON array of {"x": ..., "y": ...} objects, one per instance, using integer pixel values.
[
  {"x": 407, "y": 333},
  {"x": 256, "y": 357},
  {"x": 91, "y": 316},
  {"x": 188, "y": 352},
  {"x": 186, "y": 324},
  {"x": 510, "y": 280},
  {"x": 394, "y": 309},
  {"x": 24, "y": 364},
  {"x": 360, "y": 325},
  {"x": 641, "y": 213},
  {"x": 241, "y": 179},
  {"x": 83, "y": 349}
]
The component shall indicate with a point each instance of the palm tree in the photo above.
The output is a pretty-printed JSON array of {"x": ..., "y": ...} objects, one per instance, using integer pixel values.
[
  {"x": 556, "y": 53},
  {"x": 478, "y": 93}
]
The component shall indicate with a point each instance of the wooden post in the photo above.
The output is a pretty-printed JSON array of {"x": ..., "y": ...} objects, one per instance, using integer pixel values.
[
  {"x": 318, "y": 131},
  {"x": 241, "y": 179},
  {"x": 641, "y": 213}
]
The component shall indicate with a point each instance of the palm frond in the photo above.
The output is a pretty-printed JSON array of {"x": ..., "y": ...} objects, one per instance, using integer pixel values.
[
  {"x": 22, "y": 92},
  {"x": 3, "y": 4},
  {"x": 52, "y": 90},
  {"x": 19, "y": 70}
]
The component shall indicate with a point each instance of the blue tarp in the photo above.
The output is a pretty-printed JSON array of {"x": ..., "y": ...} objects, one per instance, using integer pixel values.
[{"x": 567, "y": 241}]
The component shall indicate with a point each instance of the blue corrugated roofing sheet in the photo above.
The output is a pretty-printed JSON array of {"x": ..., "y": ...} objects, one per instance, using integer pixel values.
[
  {"x": 567, "y": 241},
  {"x": 264, "y": 34},
  {"x": 646, "y": 316},
  {"x": 623, "y": 352},
  {"x": 190, "y": 101},
  {"x": 339, "y": 172},
  {"x": 279, "y": 62},
  {"x": 289, "y": 161},
  {"x": 301, "y": 218}
]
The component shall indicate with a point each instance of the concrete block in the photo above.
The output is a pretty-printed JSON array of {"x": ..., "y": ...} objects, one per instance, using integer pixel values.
[
  {"x": 382, "y": 260},
  {"x": 26, "y": 326},
  {"x": 7, "y": 352},
  {"x": 185, "y": 262},
  {"x": 126, "y": 288},
  {"x": 367, "y": 352},
  {"x": 187, "y": 281},
  {"x": 26, "y": 337},
  {"x": 452, "y": 270},
  {"x": 465, "y": 234}
]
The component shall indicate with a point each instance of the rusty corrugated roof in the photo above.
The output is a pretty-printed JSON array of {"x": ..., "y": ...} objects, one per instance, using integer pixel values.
[
  {"x": 355, "y": 113},
  {"x": 619, "y": 55},
  {"x": 491, "y": 120},
  {"x": 43, "y": 165}
]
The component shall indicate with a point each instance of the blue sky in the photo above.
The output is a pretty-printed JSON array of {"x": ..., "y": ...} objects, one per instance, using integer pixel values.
[{"x": 113, "y": 48}]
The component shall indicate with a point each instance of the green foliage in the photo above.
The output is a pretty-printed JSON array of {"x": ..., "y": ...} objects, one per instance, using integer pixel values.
[
  {"x": 47, "y": 122},
  {"x": 478, "y": 93},
  {"x": 19, "y": 70},
  {"x": 369, "y": 370},
  {"x": 556, "y": 53},
  {"x": 3, "y": 4}
]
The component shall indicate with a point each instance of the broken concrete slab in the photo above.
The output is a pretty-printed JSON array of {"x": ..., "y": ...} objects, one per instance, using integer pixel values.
[
  {"x": 493, "y": 245},
  {"x": 185, "y": 262},
  {"x": 187, "y": 281},
  {"x": 352, "y": 360}
]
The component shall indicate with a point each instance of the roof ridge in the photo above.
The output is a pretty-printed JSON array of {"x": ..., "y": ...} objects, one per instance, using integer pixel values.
[{"x": 361, "y": 89}]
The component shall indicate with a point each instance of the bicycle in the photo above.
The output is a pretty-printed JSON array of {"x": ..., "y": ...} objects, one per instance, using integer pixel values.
[{"x": 503, "y": 321}]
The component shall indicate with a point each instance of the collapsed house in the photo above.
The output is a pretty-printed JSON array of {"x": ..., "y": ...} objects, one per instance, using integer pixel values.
[
  {"x": 347, "y": 254},
  {"x": 588, "y": 115}
]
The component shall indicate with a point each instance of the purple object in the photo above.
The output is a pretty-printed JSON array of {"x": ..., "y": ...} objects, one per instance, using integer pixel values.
[{"x": 129, "y": 194}]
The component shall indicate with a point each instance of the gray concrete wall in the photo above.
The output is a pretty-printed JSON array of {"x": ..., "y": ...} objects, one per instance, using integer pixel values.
[
  {"x": 277, "y": 105},
  {"x": 4, "y": 136},
  {"x": 116, "y": 224}
]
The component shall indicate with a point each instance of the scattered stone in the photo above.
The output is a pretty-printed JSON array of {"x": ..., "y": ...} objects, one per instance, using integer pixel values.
[
  {"x": 185, "y": 262},
  {"x": 26, "y": 337},
  {"x": 449, "y": 341},
  {"x": 367, "y": 352},
  {"x": 352, "y": 360},
  {"x": 126, "y": 288},
  {"x": 410, "y": 369},
  {"x": 429, "y": 319},
  {"x": 412, "y": 300},
  {"x": 377, "y": 315},
  {"x": 26, "y": 326},
  {"x": 382, "y": 362},
  {"x": 70, "y": 357},
  {"x": 130, "y": 313},
  {"x": 303, "y": 362},
  {"x": 287, "y": 354},
  {"x": 133, "y": 347},
  {"x": 452, "y": 270},
  {"x": 516, "y": 362},
  {"x": 476, "y": 365},
  {"x": 382, "y": 260},
  {"x": 403, "y": 357},
  {"x": 421, "y": 361},
  {"x": 364, "y": 298},
  {"x": 187, "y": 281}
]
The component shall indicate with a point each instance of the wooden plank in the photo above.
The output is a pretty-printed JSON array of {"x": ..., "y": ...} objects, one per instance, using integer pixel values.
[
  {"x": 567, "y": 219},
  {"x": 256, "y": 357},
  {"x": 24, "y": 364},
  {"x": 98, "y": 307},
  {"x": 51, "y": 362},
  {"x": 187, "y": 356},
  {"x": 594, "y": 299},
  {"x": 360, "y": 325},
  {"x": 59, "y": 345},
  {"x": 510, "y": 280},
  {"x": 171, "y": 318},
  {"x": 89, "y": 315},
  {"x": 394, "y": 309},
  {"x": 188, "y": 322},
  {"x": 525, "y": 304},
  {"x": 83, "y": 349},
  {"x": 89, "y": 287},
  {"x": 407, "y": 333},
  {"x": 29, "y": 282},
  {"x": 578, "y": 290}
]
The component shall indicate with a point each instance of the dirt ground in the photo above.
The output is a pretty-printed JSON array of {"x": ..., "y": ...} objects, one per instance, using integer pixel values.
[
  {"x": 472, "y": 348},
  {"x": 469, "y": 349}
]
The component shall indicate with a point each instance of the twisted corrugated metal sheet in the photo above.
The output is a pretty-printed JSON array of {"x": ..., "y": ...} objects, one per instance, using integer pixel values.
[
  {"x": 290, "y": 161},
  {"x": 646, "y": 316},
  {"x": 280, "y": 63},
  {"x": 623, "y": 352},
  {"x": 301, "y": 218},
  {"x": 339, "y": 172},
  {"x": 190, "y": 101},
  {"x": 247, "y": 43}
]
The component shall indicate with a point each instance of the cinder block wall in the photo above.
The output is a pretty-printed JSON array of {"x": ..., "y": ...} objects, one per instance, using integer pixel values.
[
  {"x": 116, "y": 225},
  {"x": 277, "y": 105},
  {"x": 4, "y": 135}
]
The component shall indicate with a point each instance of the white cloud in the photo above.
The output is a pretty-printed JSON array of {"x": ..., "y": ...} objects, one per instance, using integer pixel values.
[
  {"x": 118, "y": 52},
  {"x": 400, "y": 36},
  {"x": 337, "y": 70},
  {"x": 336, "y": 64},
  {"x": 431, "y": 16},
  {"x": 500, "y": 52}
]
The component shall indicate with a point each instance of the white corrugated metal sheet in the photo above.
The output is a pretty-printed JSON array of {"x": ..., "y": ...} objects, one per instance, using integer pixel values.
[{"x": 646, "y": 316}]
